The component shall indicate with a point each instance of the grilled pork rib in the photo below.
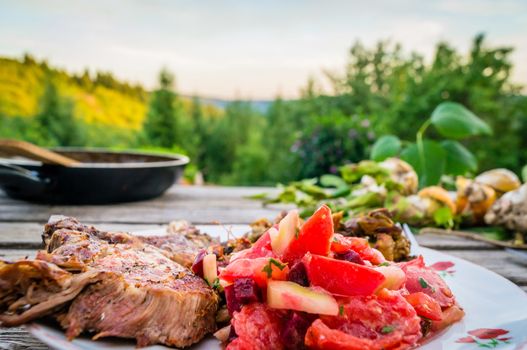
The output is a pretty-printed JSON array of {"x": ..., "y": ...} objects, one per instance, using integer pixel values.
[{"x": 112, "y": 284}]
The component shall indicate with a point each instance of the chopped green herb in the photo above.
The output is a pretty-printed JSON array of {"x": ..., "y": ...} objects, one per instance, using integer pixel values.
[
  {"x": 423, "y": 283},
  {"x": 216, "y": 284},
  {"x": 387, "y": 329},
  {"x": 384, "y": 264},
  {"x": 341, "y": 310},
  {"x": 335, "y": 239},
  {"x": 268, "y": 269}
]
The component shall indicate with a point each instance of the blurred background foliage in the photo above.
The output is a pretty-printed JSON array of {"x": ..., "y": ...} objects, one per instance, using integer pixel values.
[{"x": 382, "y": 90}]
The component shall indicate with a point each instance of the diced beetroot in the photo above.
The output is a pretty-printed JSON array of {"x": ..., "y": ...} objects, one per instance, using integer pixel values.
[
  {"x": 242, "y": 291},
  {"x": 233, "y": 304},
  {"x": 197, "y": 266},
  {"x": 232, "y": 335},
  {"x": 350, "y": 256},
  {"x": 298, "y": 274},
  {"x": 294, "y": 329},
  {"x": 246, "y": 290}
]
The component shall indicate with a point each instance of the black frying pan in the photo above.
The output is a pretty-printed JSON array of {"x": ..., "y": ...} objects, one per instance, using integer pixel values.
[{"x": 102, "y": 177}]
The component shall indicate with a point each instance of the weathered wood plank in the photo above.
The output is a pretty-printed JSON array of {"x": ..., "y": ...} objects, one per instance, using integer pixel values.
[
  {"x": 151, "y": 215},
  {"x": 197, "y": 204},
  {"x": 19, "y": 339},
  {"x": 450, "y": 242}
]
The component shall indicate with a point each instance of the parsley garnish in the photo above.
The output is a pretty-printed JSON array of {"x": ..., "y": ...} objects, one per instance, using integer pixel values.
[
  {"x": 268, "y": 269},
  {"x": 423, "y": 283},
  {"x": 384, "y": 264},
  {"x": 387, "y": 329},
  {"x": 216, "y": 284},
  {"x": 341, "y": 310}
]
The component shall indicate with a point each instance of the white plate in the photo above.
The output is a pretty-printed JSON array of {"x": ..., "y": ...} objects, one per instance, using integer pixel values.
[{"x": 491, "y": 303}]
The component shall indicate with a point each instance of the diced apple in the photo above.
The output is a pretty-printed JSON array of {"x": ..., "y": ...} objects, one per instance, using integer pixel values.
[
  {"x": 287, "y": 230},
  {"x": 210, "y": 268},
  {"x": 273, "y": 235},
  {"x": 395, "y": 277},
  {"x": 291, "y": 296}
]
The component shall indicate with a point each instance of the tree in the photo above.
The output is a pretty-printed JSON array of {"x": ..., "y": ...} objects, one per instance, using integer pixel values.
[
  {"x": 161, "y": 123},
  {"x": 199, "y": 132},
  {"x": 281, "y": 133},
  {"x": 56, "y": 121}
]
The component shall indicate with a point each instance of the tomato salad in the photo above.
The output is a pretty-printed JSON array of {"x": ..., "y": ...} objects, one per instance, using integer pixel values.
[{"x": 305, "y": 286}]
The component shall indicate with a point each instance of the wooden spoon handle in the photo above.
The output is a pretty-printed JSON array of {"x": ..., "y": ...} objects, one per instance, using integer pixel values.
[{"x": 29, "y": 150}]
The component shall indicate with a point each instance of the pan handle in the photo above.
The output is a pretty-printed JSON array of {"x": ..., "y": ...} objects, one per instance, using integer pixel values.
[{"x": 11, "y": 174}]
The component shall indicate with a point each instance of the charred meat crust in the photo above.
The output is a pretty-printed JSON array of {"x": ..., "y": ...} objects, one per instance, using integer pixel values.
[{"x": 112, "y": 284}]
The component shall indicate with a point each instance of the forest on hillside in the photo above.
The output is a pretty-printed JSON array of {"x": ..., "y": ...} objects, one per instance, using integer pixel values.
[{"x": 382, "y": 90}]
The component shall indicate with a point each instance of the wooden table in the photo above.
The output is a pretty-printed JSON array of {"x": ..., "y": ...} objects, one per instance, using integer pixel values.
[{"x": 21, "y": 225}]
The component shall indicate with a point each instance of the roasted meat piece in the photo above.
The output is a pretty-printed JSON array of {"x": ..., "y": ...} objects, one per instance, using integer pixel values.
[
  {"x": 112, "y": 284},
  {"x": 181, "y": 242}
]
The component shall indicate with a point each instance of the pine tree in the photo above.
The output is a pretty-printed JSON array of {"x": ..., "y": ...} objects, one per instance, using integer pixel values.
[
  {"x": 161, "y": 123},
  {"x": 199, "y": 132},
  {"x": 56, "y": 121}
]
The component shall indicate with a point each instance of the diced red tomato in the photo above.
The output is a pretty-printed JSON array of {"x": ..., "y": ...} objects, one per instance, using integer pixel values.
[
  {"x": 341, "y": 277},
  {"x": 254, "y": 268},
  {"x": 314, "y": 236},
  {"x": 383, "y": 321},
  {"x": 425, "y": 306},
  {"x": 341, "y": 244},
  {"x": 420, "y": 278},
  {"x": 260, "y": 249},
  {"x": 257, "y": 327}
]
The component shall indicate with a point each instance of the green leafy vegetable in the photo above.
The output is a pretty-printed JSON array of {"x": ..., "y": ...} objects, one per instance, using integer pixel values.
[
  {"x": 444, "y": 217},
  {"x": 459, "y": 160},
  {"x": 455, "y": 121},
  {"x": 385, "y": 147},
  {"x": 434, "y": 161}
]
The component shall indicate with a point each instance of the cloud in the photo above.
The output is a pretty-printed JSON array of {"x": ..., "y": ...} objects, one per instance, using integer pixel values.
[{"x": 482, "y": 7}]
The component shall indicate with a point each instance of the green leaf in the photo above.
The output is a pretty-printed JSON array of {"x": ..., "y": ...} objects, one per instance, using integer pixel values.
[
  {"x": 455, "y": 121},
  {"x": 423, "y": 282},
  {"x": 435, "y": 161},
  {"x": 443, "y": 217},
  {"x": 385, "y": 147},
  {"x": 268, "y": 269},
  {"x": 387, "y": 329},
  {"x": 524, "y": 173},
  {"x": 329, "y": 180},
  {"x": 352, "y": 173},
  {"x": 459, "y": 160},
  {"x": 368, "y": 199}
]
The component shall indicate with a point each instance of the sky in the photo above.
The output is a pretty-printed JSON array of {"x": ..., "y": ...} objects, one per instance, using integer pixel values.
[{"x": 246, "y": 49}]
